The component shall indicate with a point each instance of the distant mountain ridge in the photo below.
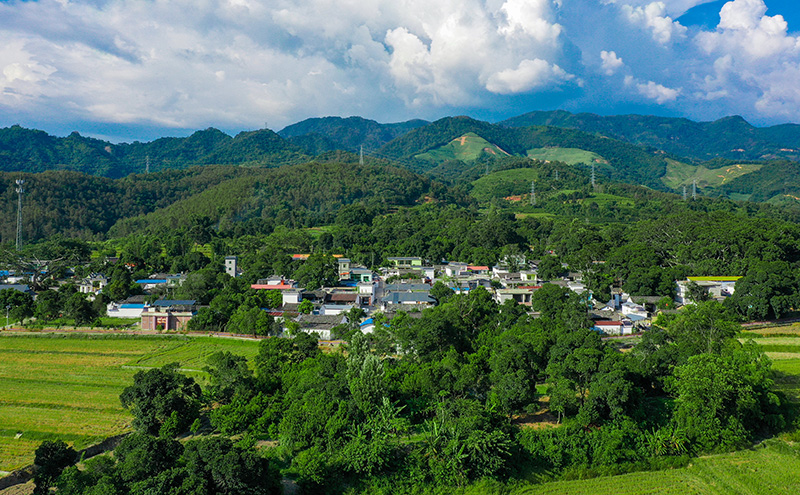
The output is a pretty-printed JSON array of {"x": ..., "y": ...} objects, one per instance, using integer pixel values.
[
  {"x": 729, "y": 137},
  {"x": 30, "y": 150},
  {"x": 659, "y": 152},
  {"x": 318, "y": 135}
]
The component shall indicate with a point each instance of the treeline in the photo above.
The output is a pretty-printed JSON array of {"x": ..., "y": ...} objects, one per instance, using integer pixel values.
[
  {"x": 79, "y": 205},
  {"x": 443, "y": 401}
]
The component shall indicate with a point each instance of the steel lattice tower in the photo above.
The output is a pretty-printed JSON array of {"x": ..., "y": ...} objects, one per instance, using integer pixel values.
[{"x": 20, "y": 190}]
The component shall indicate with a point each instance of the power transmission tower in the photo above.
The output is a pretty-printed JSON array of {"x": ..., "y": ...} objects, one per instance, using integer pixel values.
[
  {"x": 533, "y": 193},
  {"x": 694, "y": 189},
  {"x": 556, "y": 175},
  {"x": 20, "y": 190},
  {"x": 684, "y": 192},
  {"x": 593, "y": 182},
  {"x": 147, "y": 164},
  {"x": 361, "y": 156}
]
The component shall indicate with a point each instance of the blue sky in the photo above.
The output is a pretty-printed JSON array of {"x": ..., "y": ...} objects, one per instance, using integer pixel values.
[{"x": 140, "y": 69}]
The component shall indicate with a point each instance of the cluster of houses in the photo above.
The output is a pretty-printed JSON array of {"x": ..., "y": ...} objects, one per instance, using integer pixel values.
[{"x": 404, "y": 285}]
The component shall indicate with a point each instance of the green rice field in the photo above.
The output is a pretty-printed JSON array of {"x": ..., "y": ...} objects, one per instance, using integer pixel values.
[
  {"x": 57, "y": 386},
  {"x": 769, "y": 468}
]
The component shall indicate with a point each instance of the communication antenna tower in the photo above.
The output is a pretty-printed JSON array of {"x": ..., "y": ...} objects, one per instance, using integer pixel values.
[
  {"x": 533, "y": 193},
  {"x": 20, "y": 189},
  {"x": 361, "y": 155},
  {"x": 694, "y": 189}
]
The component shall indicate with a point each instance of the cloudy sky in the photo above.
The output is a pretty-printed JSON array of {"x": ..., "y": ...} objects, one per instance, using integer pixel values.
[{"x": 139, "y": 69}]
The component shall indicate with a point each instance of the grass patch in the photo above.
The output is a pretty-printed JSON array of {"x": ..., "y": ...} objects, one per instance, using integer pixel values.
[
  {"x": 771, "y": 468},
  {"x": 465, "y": 148},
  {"x": 683, "y": 174},
  {"x": 68, "y": 386},
  {"x": 572, "y": 156}
]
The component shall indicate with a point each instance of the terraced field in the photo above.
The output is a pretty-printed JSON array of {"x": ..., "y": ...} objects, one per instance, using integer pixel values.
[{"x": 68, "y": 386}]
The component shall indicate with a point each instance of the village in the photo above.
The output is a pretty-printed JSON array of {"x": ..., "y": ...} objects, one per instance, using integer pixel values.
[{"x": 405, "y": 285}]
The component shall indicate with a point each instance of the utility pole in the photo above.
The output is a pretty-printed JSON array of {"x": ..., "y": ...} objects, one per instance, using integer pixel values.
[{"x": 20, "y": 190}]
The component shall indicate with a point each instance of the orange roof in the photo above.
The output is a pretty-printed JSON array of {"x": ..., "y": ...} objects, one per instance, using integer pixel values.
[
  {"x": 477, "y": 267},
  {"x": 271, "y": 287},
  {"x": 608, "y": 323}
]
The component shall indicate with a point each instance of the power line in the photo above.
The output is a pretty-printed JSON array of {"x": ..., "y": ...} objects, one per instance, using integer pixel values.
[{"x": 20, "y": 189}]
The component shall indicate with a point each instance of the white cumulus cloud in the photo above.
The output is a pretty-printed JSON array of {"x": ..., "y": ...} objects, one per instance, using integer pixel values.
[
  {"x": 653, "y": 16},
  {"x": 653, "y": 91},
  {"x": 611, "y": 63},
  {"x": 528, "y": 75}
]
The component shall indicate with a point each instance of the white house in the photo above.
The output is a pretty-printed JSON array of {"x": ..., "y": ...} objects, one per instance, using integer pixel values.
[{"x": 717, "y": 287}]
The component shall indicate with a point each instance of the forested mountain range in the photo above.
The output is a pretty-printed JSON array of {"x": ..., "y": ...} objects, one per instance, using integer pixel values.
[
  {"x": 729, "y": 137},
  {"x": 29, "y": 150},
  {"x": 319, "y": 135},
  {"x": 660, "y": 153}
]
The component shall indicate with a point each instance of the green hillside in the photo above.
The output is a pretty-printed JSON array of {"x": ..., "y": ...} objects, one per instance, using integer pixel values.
[
  {"x": 319, "y": 135},
  {"x": 29, "y": 150},
  {"x": 505, "y": 183},
  {"x": 626, "y": 162},
  {"x": 467, "y": 147},
  {"x": 572, "y": 156},
  {"x": 683, "y": 174},
  {"x": 296, "y": 196}
]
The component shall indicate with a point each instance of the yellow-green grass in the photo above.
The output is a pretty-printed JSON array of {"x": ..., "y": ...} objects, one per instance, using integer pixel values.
[
  {"x": 572, "y": 156},
  {"x": 793, "y": 329},
  {"x": 682, "y": 174},
  {"x": 784, "y": 351},
  {"x": 68, "y": 387},
  {"x": 466, "y": 148},
  {"x": 772, "y": 468}
]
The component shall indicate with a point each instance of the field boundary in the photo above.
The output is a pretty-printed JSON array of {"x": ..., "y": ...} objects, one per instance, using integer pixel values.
[{"x": 25, "y": 474}]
